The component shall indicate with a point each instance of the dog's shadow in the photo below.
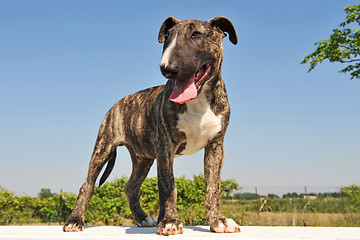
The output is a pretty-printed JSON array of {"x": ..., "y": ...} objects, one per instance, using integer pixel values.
[
  {"x": 140, "y": 230},
  {"x": 199, "y": 229},
  {"x": 152, "y": 230}
]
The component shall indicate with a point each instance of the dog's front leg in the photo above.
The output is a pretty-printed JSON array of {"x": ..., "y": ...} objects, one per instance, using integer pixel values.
[
  {"x": 168, "y": 221},
  {"x": 214, "y": 158}
]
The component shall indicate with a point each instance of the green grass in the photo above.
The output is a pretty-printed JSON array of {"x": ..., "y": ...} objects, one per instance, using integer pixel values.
[{"x": 320, "y": 213}]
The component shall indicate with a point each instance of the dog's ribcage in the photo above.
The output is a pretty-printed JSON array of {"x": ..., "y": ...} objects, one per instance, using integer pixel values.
[{"x": 199, "y": 123}]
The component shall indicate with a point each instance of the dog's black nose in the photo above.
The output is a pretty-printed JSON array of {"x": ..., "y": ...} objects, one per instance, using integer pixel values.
[{"x": 169, "y": 71}]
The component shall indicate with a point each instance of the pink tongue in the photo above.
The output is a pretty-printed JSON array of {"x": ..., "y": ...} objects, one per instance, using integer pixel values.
[{"x": 184, "y": 90}]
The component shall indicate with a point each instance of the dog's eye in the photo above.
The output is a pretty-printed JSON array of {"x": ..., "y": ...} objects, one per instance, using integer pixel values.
[{"x": 196, "y": 34}]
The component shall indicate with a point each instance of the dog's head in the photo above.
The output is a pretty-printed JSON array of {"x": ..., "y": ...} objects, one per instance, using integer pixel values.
[{"x": 192, "y": 53}]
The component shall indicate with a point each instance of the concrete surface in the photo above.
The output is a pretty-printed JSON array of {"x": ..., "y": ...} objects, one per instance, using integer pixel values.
[{"x": 198, "y": 232}]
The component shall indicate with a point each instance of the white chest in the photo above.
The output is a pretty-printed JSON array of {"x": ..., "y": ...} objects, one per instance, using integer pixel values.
[{"x": 199, "y": 124}]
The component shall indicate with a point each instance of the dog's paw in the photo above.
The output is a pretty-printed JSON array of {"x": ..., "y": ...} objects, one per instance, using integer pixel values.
[
  {"x": 227, "y": 226},
  {"x": 170, "y": 228},
  {"x": 74, "y": 225},
  {"x": 148, "y": 222}
]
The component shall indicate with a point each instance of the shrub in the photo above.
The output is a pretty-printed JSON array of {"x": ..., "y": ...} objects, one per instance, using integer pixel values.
[
  {"x": 353, "y": 192},
  {"x": 109, "y": 204}
]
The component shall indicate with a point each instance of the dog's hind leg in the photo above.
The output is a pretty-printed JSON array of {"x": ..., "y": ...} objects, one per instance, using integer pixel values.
[
  {"x": 140, "y": 170},
  {"x": 104, "y": 152}
]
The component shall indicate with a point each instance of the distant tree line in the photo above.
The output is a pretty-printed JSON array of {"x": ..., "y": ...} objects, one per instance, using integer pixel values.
[{"x": 252, "y": 196}]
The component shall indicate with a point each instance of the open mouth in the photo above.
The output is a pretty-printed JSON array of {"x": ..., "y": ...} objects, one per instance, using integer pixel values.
[{"x": 188, "y": 88}]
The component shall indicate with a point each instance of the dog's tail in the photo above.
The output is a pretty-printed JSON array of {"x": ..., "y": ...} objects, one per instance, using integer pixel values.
[{"x": 108, "y": 170}]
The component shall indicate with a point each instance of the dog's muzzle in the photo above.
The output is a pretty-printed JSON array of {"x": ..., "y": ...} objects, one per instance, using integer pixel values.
[{"x": 188, "y": 87}]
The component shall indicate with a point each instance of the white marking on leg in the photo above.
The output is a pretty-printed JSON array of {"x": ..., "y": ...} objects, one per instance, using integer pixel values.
[
  {"x": 171, "y": 229},
  {"x": 231, "y": 225},
  {"x": 220, "y": 228},
  {"x": 167, "y": 53}
]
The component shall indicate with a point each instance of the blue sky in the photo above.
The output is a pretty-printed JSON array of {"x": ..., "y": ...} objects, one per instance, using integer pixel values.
[{"x": 63, "y": 64}]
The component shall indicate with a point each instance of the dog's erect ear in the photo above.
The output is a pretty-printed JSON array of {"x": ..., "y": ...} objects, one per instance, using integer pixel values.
[
  {"x": 225, "y": 25},
  {"x": 166, "y": 26}
]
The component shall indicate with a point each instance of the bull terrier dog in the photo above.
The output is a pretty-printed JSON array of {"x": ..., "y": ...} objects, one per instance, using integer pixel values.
[{"x": 187, "y": 114}]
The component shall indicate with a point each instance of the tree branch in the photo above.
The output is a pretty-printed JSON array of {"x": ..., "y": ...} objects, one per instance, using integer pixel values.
[
  {"x": 349, "y": 61},
  {"x": 350, "y": 48}
]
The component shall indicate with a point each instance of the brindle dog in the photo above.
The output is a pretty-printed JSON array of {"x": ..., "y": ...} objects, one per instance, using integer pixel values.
[{"x": 187, "y": 114}]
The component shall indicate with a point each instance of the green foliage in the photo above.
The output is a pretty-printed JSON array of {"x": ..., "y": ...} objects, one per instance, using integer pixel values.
[
  {"x": 291, "y": 195},
  {"x": 25, "y": 209},
  {"x": 190, "y": 197},
  {"x": 45, "y": 193},
  {"x": 149, "y": 196},
  {"x": 12, "y": 208},
  {"x": 353, "y": 192},
  {"x": 245, "y": 196},
  {"x": 343, "y": 45},
  {"x": 227, "y": 187},
  {"x": 332, "y": 194},
  {"x": 109, "y": 204},
  {"x": 272, "y": 195},
  {"x": 296, "y": 205}
]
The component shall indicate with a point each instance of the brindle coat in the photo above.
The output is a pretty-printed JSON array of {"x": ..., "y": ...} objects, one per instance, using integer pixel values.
[{"x": 147, "y": 123}]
